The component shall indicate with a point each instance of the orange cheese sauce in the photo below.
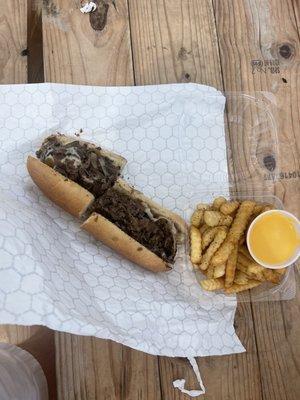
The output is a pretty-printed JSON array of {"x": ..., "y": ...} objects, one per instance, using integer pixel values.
[{"x": 274, "y": 238}]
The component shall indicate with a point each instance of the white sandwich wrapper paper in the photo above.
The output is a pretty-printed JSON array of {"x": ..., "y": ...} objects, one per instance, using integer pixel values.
[{"x": 54, "y": 274}]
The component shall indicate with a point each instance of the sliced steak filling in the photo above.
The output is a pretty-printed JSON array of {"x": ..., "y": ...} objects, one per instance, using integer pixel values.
[
  {"x": 135, "y": 218},
  {"x": 80, "y": 162}
]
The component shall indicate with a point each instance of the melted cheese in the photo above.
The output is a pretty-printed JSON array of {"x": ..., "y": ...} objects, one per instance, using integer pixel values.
[{"x": 274, "y": 238}]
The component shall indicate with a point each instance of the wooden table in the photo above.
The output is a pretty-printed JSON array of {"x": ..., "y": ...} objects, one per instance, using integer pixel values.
[{"x": 136, "y": 42}]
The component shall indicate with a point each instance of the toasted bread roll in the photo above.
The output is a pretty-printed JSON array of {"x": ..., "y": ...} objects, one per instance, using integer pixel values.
[
  {"x": 65, "y": 193},
  {"x": 112, "y": 236},
  {"x": 139, "y": 218}
]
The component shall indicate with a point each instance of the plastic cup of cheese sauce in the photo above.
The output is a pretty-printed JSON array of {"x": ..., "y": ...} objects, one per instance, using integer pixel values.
[{"x": 273, "y": 239}]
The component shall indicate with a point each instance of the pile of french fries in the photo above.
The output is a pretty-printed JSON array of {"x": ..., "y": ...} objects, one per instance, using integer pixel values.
[{"x": 218, "y": 248}]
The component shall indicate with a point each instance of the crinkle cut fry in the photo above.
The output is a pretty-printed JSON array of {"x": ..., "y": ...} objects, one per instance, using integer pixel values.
[{"x": 235, "y": 232}]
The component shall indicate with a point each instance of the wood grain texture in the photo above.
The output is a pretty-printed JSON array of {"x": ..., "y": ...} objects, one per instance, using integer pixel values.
[
  {"x": 277, "y": 330},
  {"x": 76, "y": 53},
  {"x": 141, "y": 376},
  {"x": 174, "y": 41},
  {"x": 169, "y": 39},
  {"x": 14, "y": 334},
  {"x": 88, "y": 368},
  {"x": 295, "y": 5},
  {"x": 264, "y": 38},
  {"x": 269, "y": 30},
  {"x": 13, "y": 40},
  {"x": 92, "y": 369}
]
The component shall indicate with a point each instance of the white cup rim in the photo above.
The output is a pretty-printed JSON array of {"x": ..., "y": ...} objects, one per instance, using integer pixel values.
[{"x": 272, "y": 266}]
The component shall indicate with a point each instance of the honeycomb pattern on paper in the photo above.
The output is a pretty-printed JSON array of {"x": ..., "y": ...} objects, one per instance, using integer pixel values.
[{"x": 53, "y": 273}]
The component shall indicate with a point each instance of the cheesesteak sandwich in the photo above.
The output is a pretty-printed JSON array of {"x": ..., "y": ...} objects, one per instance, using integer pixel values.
[{"x": 84, "y": 180}]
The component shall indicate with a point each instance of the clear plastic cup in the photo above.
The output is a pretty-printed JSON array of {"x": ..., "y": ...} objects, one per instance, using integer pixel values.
[
  {"x": 296, "y": 254},
  {"x": 21, "y": 376}
]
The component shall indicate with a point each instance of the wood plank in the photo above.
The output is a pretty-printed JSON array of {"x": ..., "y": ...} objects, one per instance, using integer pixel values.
[
  {"x": 170, "y": 39},
  {"x": 76, "y": 53},
  {"x": 268, "y": 30},
  {"x": 176, "y": 368},
  {"x": 141, "y": 378},
  {"x": 14, "y": 334},
  {"x": 90, "y": 368},
  {"x": 296, "y": 8},
  {"x": 98, "y": 369},
  {"x": 171, "y": 45},
  {"x": 13, "y": 41},
  {"x": 277, "y": 330},
  {"x": 265, "y": 39}
]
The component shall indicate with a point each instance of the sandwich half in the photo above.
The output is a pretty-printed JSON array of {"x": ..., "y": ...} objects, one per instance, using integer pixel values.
[
  {"x": 136, "y": 227},
  {"x": 72, "y": 172}
]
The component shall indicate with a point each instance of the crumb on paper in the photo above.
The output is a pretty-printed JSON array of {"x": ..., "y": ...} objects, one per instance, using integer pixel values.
[
  {"x": 79, "y": 132},
  {"x": 88, "y": 7}
]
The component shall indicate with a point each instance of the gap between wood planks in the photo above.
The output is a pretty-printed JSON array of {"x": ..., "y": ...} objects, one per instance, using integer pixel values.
[{"x": 34, "y": 50}]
